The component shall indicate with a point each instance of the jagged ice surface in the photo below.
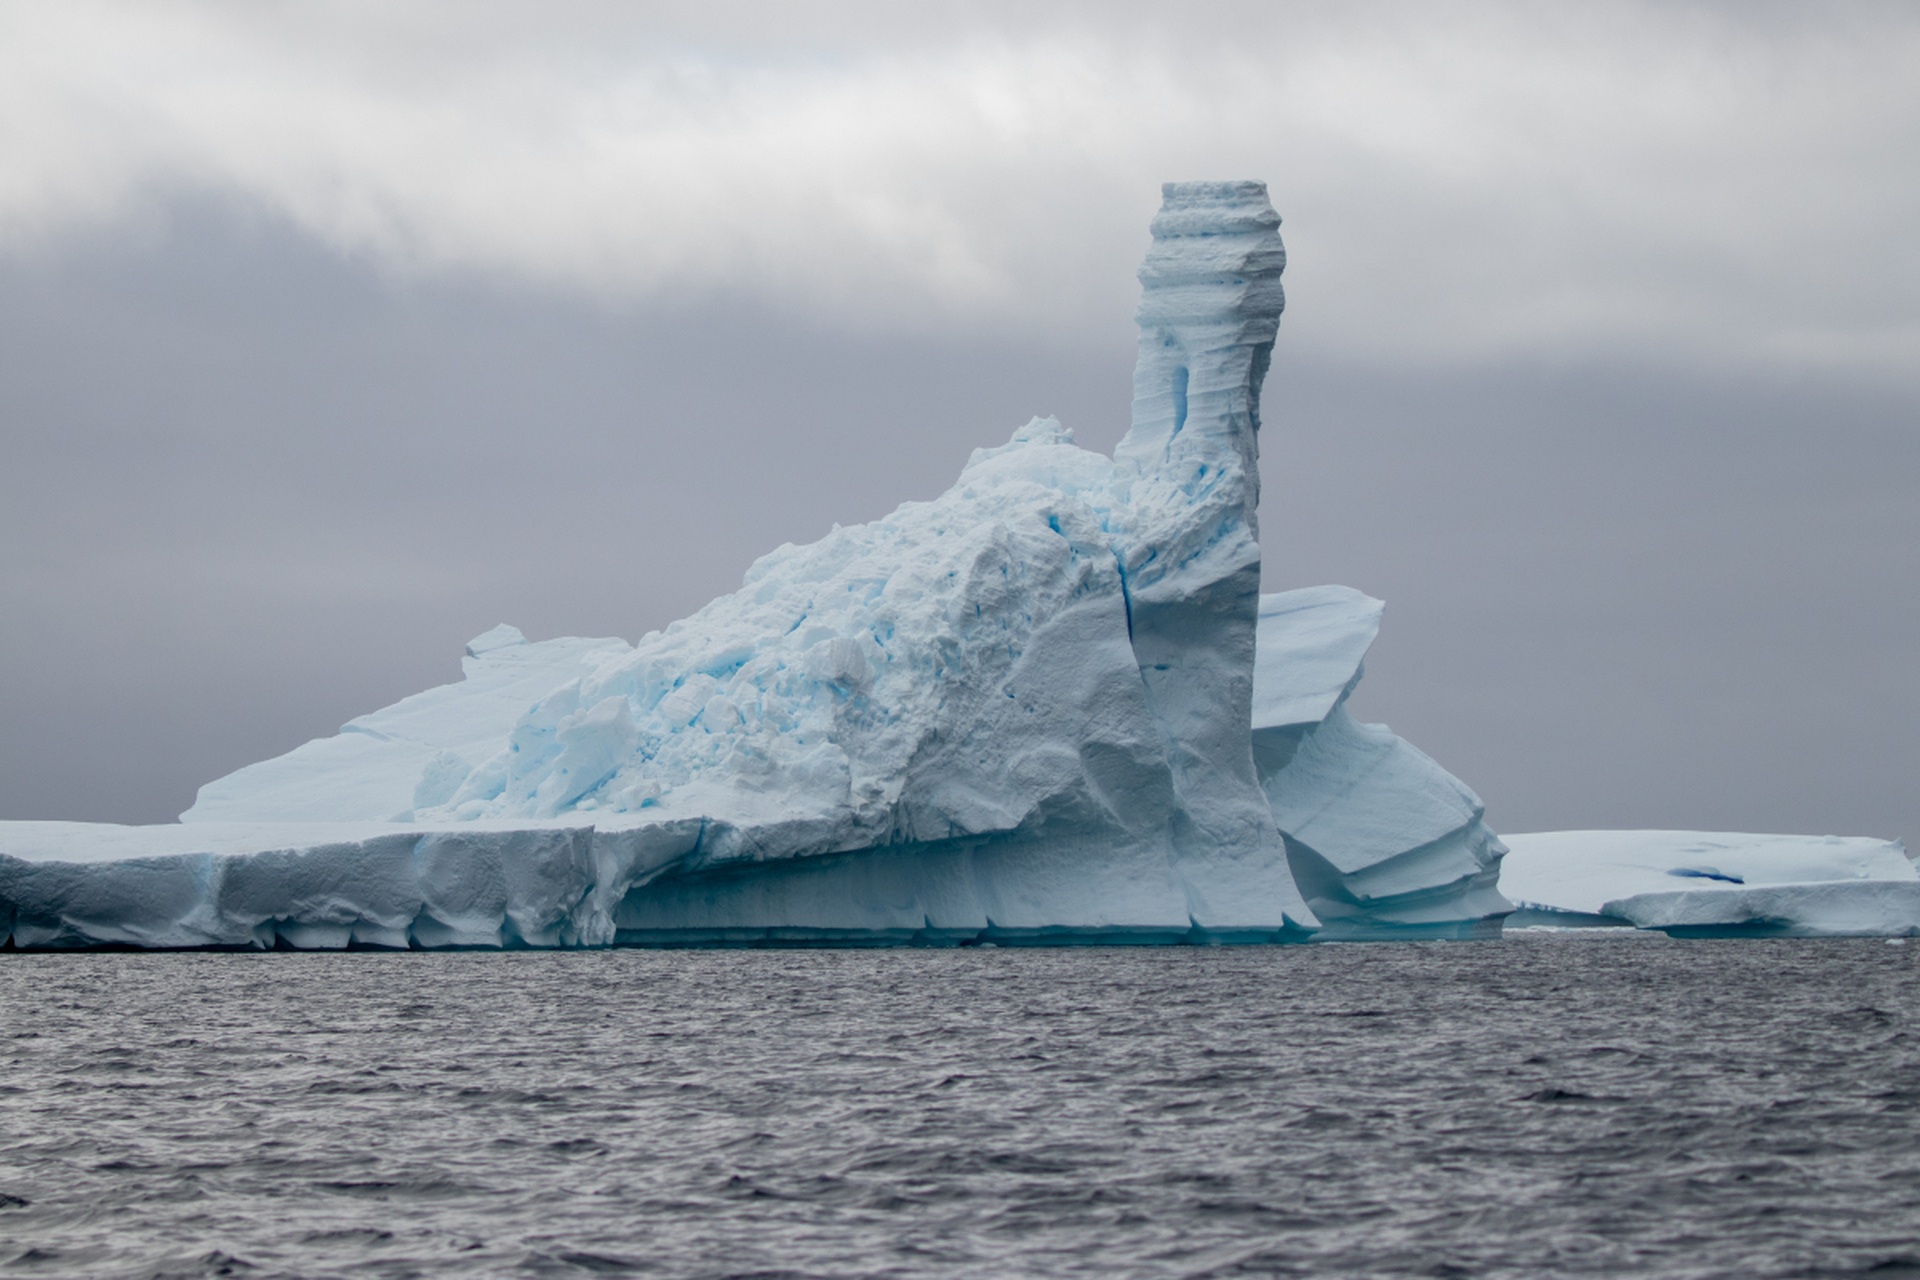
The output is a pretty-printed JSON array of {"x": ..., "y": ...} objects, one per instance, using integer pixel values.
[{"x": 415, "y": 753}]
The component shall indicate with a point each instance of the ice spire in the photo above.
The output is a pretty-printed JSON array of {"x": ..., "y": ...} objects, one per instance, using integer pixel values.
[
  {"x": 1190, "y": 554},
  {"x": 1208, "y": 315}
]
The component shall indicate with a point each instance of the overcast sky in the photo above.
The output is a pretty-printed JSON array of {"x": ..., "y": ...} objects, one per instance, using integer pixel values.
[{"x": 332, "y": 334}]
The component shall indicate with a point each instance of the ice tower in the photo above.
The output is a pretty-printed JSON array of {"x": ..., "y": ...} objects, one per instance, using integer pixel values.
[{"x": 1190, "y": 464}]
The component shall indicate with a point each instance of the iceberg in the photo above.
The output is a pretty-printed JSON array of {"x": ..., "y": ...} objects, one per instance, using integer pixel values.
[
  {"x": 1714, "y": 884},
  {"x": 239, "y": 873},
  {"x": 1018, "y": 712},
  {"x": 1382, "y": 841}
]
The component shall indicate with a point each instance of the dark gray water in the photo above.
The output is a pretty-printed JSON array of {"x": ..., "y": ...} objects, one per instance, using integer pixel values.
[{"x": 1539, "y": 1106}]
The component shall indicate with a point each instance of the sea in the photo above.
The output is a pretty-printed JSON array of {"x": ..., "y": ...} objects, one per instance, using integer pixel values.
[{"x": 1603, "y": 1103}]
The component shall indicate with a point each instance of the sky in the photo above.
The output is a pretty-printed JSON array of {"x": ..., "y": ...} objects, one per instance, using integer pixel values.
[{"x": 332, "y": 334}]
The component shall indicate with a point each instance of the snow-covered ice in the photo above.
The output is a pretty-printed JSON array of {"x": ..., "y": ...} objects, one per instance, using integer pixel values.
[
  {"x": 1819, "y": 909},
  {"x": 1700, "y": 883},
  {"x": 415, "y": 753}
]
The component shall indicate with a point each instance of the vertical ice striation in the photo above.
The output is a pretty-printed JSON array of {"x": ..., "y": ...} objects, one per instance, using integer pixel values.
[{"x": 1189, "y": 541}]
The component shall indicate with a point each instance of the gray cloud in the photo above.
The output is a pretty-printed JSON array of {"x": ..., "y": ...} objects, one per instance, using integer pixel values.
[
  {"x": 1462, "y": 182},
  {"x": 331, "y": 335}
]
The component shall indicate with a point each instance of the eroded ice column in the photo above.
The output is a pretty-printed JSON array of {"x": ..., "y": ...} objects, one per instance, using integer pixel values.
[{"x": 1190, "y": 553}]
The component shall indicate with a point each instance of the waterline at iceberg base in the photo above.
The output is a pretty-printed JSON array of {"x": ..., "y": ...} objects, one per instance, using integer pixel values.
[{"x": 1049, "y": 706}]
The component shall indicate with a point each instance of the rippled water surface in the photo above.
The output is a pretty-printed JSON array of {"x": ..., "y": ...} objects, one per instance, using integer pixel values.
[{"x": 1539, "y": 1106}]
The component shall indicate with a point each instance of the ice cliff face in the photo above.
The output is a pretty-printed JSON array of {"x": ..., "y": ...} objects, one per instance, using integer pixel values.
[{"x": 957, "y": 669}]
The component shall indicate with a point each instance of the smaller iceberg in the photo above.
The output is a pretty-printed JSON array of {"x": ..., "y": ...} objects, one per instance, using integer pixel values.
[
  {"x": 1383, "y": 842},
  {"x": 1698, "y": 884}
]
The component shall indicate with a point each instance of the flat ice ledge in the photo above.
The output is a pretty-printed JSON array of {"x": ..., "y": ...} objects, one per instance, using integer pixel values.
[{"x": 93, "y": 842}]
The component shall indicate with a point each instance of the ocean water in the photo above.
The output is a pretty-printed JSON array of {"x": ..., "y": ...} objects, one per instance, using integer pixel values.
[{"x": 1541, "y": 1106}]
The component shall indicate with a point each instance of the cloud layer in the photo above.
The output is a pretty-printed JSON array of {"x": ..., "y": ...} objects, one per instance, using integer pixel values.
[{"x": 1461, "y": 182}]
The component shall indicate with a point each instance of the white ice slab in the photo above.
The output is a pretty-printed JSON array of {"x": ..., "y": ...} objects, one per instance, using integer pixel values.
[
  {"x": 1582, "y": 871},
  {"x": 1825, "y": 909},
  {"x": 1311, "y": 644}
]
